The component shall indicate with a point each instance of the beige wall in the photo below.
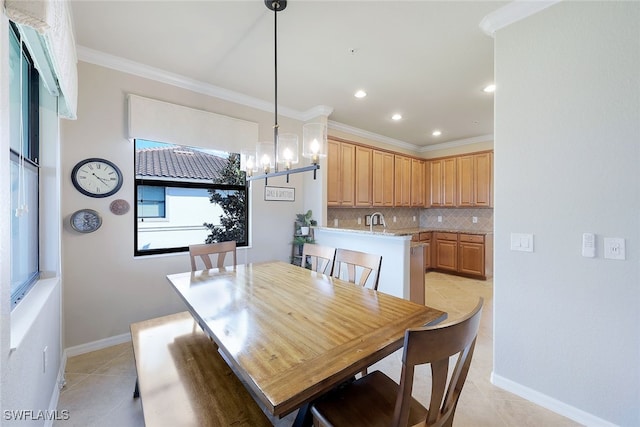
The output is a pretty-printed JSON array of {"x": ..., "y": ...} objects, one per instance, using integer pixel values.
[
  {"x": 104, "y": 287},
  {"x": 567, "y": 149}
]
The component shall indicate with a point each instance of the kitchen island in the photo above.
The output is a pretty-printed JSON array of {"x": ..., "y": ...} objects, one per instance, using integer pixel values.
[{"x": 394, "y": 245}]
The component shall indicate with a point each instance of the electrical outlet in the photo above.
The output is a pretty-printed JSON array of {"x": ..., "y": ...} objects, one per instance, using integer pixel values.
[
  {"x": 474, "y": 219},
  {"x": 439, "y": 218},
  {"x": 359, "y": 221},
  {"x": 414, "y": 218},
  {"x": 44, "y": 360},
  {"x": 394, "y": 218}
]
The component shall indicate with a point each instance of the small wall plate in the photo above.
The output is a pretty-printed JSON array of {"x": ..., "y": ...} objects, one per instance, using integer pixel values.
[
  {"x": 119, "y": 207},
  {"x": 85, "y": 220}
]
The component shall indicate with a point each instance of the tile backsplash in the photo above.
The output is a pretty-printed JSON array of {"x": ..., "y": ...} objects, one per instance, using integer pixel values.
[{"x": 452, "y": 219}]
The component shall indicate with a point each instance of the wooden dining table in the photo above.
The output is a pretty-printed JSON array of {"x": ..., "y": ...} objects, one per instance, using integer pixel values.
[{"x": 292, "y": 334}]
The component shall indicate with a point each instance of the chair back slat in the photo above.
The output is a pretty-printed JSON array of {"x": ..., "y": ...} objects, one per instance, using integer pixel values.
[
  {"x": 436, "y": 345},
  {"x": 354, "y": 263},
  {"x": 204, "y": 252},
  {"x": 320, "y": 257}
]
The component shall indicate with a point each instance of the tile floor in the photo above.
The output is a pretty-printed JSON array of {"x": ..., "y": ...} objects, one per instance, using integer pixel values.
[{"x": 99, "y": 385}]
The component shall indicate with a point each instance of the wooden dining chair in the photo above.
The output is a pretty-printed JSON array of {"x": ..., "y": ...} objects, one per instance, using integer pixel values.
[
  {"x": 320, "y": 257},
  {"x": 206, "y": 251},
  {"x": 375, "y": 400},
  {"x": 358, "y": 266}
]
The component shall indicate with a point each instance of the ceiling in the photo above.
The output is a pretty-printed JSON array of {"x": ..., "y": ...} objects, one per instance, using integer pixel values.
[{"x": 427, "y": 60}]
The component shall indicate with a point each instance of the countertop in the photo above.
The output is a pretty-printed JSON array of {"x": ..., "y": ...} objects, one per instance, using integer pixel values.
[{"x": 380, "y": 231}]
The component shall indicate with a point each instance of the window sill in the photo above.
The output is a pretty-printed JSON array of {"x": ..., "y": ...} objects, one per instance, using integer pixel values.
[{"x": 27, "y": 311}]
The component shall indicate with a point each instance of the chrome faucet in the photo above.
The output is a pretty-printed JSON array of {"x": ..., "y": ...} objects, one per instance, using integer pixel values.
[{"x": 384, "y": 224}]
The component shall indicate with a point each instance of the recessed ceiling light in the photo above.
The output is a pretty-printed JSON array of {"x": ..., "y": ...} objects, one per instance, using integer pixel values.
[
  {"x": 360, "y": 94},
  {"x": 396, "y": 116},
  {"x": 490, "y": 88},
  {"x": 436, "y": 133}
]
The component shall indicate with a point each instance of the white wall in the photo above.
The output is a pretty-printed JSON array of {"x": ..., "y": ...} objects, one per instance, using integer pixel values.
[
  {"x": 105, "y": 287},
  {"x": 25, "y": 384},
  {"x": 567, "y": 152}
]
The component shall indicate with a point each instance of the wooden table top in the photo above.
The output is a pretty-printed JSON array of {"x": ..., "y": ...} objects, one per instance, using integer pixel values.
[{"x": 292, "y": 333}]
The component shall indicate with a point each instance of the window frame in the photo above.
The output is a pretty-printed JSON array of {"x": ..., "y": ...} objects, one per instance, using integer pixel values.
[
  {"x": 181, "y": 183},
  {"x": 30, "y": 155}
]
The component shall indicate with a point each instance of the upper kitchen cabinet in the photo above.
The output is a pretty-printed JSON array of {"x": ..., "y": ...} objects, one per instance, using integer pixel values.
[
  {"x": 417, "y": 183},
  {"x": 443, "y": 182},
  {"x": 363, "y": 177},
  {"x": 383, "y": 178},
  {"x": 475, "y": 180},
  {"x": 402, "y": 194},
  {"x": 341, "y": 164}
]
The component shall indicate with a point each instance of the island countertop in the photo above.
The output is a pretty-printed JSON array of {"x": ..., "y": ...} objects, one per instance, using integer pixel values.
[{"x": 397, "y": 232}]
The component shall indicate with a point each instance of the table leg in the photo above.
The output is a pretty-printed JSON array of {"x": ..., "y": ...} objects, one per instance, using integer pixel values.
[{"x": 304, "y": 417}]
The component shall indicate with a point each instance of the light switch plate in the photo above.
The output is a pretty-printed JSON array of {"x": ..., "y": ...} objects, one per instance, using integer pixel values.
[
  {"x": 614, "y": 248},
  {"x": 522, "y": 242}
]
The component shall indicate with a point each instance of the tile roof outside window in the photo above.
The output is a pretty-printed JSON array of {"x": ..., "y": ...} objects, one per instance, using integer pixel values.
[{"x": 178, "y": 162}]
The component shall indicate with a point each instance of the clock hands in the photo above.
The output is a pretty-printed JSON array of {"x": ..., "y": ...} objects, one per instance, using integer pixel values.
[{"x": 101, "y": 179}]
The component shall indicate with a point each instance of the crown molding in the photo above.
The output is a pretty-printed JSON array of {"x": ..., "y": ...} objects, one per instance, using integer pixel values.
[
  {"x": 370, "y": 135},
  {"x": 511, "y": 13},
  {"x": 135, "y": 68},
  {"x": 457, "y": 143},
  {"x": 117, "y": 63}
]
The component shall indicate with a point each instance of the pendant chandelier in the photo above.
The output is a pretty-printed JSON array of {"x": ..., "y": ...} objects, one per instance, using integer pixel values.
[{"x": 277, "y": 158}]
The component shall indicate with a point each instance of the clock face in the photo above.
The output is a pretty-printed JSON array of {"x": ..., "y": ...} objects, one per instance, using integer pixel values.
[
  {"x": 86, "y": 220},
  {"x": 96, "y": 177}
]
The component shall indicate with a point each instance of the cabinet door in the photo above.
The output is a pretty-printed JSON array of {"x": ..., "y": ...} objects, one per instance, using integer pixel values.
[
  {"x": 427, "y": 255},
  {"x": 436, "y": 183},
  {"x": 382, "y": 178},
  {"x": 466, "y": 181},
  {"x": 402, "y": 193},
  {"x": 363, "y": 183},
  {"x": 447, "y": 255},
  {"x": 471, "y": 258},
  {"x": 427, "y": 184},
  {"x": 449, "y": 181},
  {"x": 347, "y": 176},
  {"x": 333, "y": 173},
  {"x": 417, "y": 183},
  {"x": 483, "y": 179}
]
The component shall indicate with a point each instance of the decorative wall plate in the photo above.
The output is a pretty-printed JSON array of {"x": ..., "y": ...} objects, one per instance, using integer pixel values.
[
  {"x": 119, "y": 207},
  {"x": 85, "y": 220}
]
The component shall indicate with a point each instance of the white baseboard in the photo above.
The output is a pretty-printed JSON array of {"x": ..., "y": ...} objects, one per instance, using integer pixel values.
[
  {"x": 550, "y": 403},
  {"x": 96, "y": 345},
  {"x": 55, "y": 396}
]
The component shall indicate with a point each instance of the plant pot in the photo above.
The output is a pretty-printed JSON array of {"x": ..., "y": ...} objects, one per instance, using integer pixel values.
[{"x": 304, "y": 231}]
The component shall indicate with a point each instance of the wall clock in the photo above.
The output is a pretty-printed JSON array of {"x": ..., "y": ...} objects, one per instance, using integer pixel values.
[
  {"x": 96, "y": 177},
  {"x": 85, "y": 220}
]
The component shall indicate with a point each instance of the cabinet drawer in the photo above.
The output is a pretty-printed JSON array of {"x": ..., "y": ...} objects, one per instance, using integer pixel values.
[
  {"x": 473, "y": 238},
  {"x": 425, "y": 236},
  {"x": 446, "y": 236}
]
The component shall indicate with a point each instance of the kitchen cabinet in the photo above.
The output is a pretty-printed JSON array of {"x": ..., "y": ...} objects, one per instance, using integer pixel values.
[
  {"x": 464, "y": 254},
  {"x": 471, "y": 254},
  {"x": 402, "y": 174},
  {"x": 340, "y": 173},
  {"x": 427, "y": 184},
  {"x": 475, "y": 180},
  {"x": 382, "y": 178},
  {"x": 443, "y": 182},
  {"x": 417, "y": 183},
  {"x": 446, "y": 251},
  {"x": 363, "y": 176},
  {"x": 416, "y": 274},
  {"x": 425, "y": 239}
]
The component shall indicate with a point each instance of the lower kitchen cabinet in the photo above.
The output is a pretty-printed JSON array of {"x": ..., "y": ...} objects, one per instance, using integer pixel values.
[
  {"x": 446, "y": 247},
  {"x": 465, "y": 254},
  {"x": 471, "y": 254}
]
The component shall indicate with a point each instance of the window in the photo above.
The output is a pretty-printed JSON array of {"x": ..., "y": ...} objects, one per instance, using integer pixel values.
[
  {"x": 23, "y": 146},
  {"x": 187, "y": 195}
]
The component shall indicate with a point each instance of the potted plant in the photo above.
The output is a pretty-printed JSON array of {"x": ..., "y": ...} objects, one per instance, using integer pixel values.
[
  {"x": 306, "y": 221},
  {"x": 299, "y": 242}
]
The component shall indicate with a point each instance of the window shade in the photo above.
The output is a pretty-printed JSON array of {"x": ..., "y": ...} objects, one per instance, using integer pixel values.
[
  {"x": 52, "y": 20},
  {"x": 161, "y": 121}
]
